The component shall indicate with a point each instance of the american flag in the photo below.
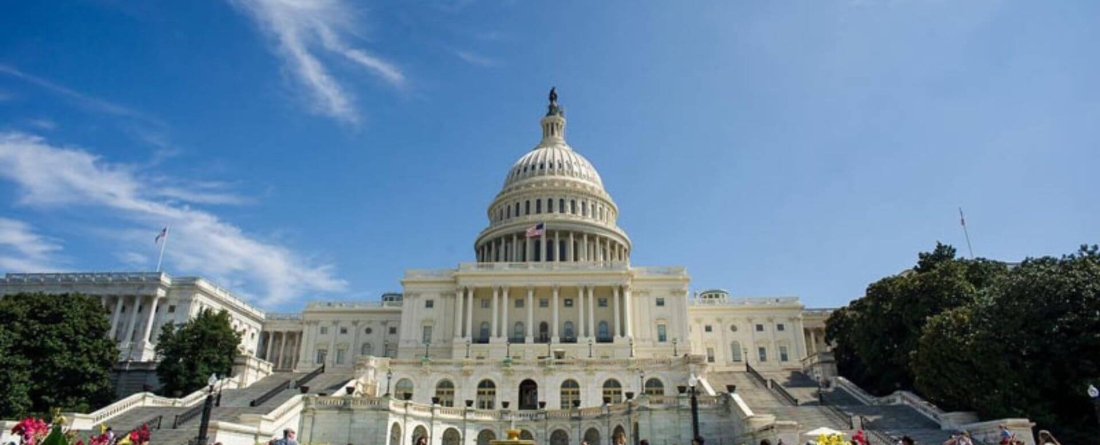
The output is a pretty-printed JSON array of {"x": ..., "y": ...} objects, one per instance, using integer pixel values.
[
  {"x": 536, "y": 230},
  {"x": 163, "y": 234}
]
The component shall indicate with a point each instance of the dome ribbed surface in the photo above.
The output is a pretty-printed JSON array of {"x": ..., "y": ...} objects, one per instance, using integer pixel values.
[{"x": 551, "y": 161}]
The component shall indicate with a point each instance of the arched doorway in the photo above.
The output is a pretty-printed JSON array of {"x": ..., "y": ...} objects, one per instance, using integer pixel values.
[
  {"x": 452, "y": 437},
  {"x": 526, "y": 435},
  {"x": 592, "y": 436},
  {"x": 395, "y": 434},
  {"x": 485, "y": 436},
  {"x": 419, "y": 432},
  {"x": 618, "y": 435},
  {"x": 558, "y": 437},
  {"x": 528, "y": 394},
  {"x": 486, "y": 394}
]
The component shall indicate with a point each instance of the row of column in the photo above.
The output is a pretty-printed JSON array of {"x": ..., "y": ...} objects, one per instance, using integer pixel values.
[
  {"x": 564, "y": 246},
  {"x": 149, "y": 302},
  {"x": 282, "y": 357},
  {"x": 311, "y": 341},
  {"x": 464, "y": 312}
]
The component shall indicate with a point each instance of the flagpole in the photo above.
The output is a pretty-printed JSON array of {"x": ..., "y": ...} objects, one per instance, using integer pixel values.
[
  {"x": 965, "y": 232},
  {"x": 162, "y": 243}
]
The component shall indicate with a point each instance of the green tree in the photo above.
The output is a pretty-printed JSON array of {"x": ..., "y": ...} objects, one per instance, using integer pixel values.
[
  {"x": 56, "y": 354},
  {"x": 191, "y": 352}
]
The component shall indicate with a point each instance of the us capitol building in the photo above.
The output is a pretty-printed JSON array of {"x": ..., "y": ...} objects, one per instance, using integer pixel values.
[{"x": 551, "y": 331}]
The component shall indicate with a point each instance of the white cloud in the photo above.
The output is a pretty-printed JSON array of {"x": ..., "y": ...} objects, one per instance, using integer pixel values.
[
  {"x": 84, "y": 100},
  {"x": 200, "y": 243},
  {"x": 43, "y": 123},
  {"x": 302, "y": 27},
  {"x": 23, "y": 250},
  {"x": 476, "y": 59}
]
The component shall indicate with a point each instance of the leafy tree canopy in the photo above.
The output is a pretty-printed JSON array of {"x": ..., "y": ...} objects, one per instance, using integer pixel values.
[
  {"x": 56, "y": 354},
  {"x": 191, "y": 352}
]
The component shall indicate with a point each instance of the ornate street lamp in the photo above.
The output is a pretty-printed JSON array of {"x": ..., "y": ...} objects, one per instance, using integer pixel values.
[
  {"x": 590, "y": 347},
  {"x": 641, "y": 382},
  {"x": 1094, "y": 394},
  {"x": 631, "y": 347},
  {"x": 508, "y": 349},
  {"x": 674, "y": 352},
  {"x": 577, "y": 406},
  {"x": 207, "y": 406},
  {"x": 467, "y": 348},
  {"x": 694, "y": 407},
  {"x": 389, "y": 376}
]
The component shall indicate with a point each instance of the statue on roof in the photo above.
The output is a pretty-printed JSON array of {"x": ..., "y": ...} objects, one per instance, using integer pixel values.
[
  {"x": 553, "y": 95},
  {"x": 554, "y": 109}
]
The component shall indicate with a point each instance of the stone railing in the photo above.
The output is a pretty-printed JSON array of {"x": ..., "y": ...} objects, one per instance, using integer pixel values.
[
  {"x": 747, "y": 301},
  {"x": 928, "y": 409},
  {"x": 584, "y": 265},
  {"x": 282, "y": 316},
  {"x": 454, "y": 413},
  {"x": 222, "y": 293},
  {"x": 92, "y": 277},
  {"x": 620, "y": 363},
  {"x": 351, "y": 304}
]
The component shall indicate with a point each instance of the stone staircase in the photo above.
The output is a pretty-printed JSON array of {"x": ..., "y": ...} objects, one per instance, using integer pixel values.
[
  {"x": 763, "y": 400},
  {"x": 234, "y": 402}
]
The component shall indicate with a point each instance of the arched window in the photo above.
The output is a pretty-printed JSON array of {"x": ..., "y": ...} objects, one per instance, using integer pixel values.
[
  {"x": 445, "y": 390},
  {"x": 366, "y": 349},
  {"x": 570, "y": 391},
  {"x": 484, "y": 331},
  {"x": 613, "y": 391},
  {"x": 550, "y": 205},
  {"x": 527, "y": 207},
  {"x": 486, "y": 394},
  {"x": 561, "y": 205},
  {"x": 654, "y": 387},
  {"x": 508, "y": 213},
  {"x": 538, "y": 206},
  {"x": 604, "y": 332},
  {"x": 404, "y": 389},
  {"x": 518, "y": 332},
  {"x": 517, "y": 209},
  {"x": 573, "y": 206},
  {"x": 569, "y": 331},
  {"x": 735, "y": 351}
]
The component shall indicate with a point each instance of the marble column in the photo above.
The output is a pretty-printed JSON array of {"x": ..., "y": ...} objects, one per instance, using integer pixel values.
[
  {"x": 580, "y": 313},
  {"x": 505, "y": 303},
  {"x": 154, "y": 301},
  {"x": 515, "y": 250},
  {"x": 458, "y": 308},
  {"x": 557, "y": 243},
  {"x": 330, "y": 356},
  {"x": 530, "y": 314},
  {"x": 591, "y": 312},
  {"x": 628, "y": 302},
  {"x": 128, "y": 334},
  {"x": 269, "y": 343},
  {"x": 618, "y": 333},
  {"x": 554, "y": 336},
  {"x": 282, "y": 350},
  {"x": 469, "y": 312},
  {"x": 115, "y": 317},
  {"x": 496, "y": 310},
  {"x": 570, "y": 254}
]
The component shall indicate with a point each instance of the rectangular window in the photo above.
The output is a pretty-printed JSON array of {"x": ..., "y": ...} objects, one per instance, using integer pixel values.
[
  {"x": 549, "y": 206},
  {"x": 544, "y": 302},
  {"x": 171, "y": 308},
  {"x": 759, "y": 328},
  {"x": 782, "y": 353},
  {"x": 321, "y": 356},
  {"x": 660, "y": 301},
  {"x": 427, "y": 334},
  {"x": 568, "y": 302},
  {"x": 735, "y": 352},
  {"x": 780, "y": 327},
  {"x": 429, "y": 304},
  {"x": 601, "y": 302},
  {"x": 710, "y": 355},
  {"x": 708, "y": 328},
  {"x": 763, "y": 353},
  {"x": 485, "y": 303},
  {"x": 340, "y": 353},
  {"x": 573, "y": 206},
  {"x": 393, "y": 330},
  {"x": 324, "y": 330},
  {"x": 538, "y": 206},
  {"x": 343, "y": 331},
  {"x": 662, "y": 333},
  {"x": 519, "y": 303}
]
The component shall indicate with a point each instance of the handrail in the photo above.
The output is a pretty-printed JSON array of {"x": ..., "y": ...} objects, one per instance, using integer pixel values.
[
  {"x": 306, "y": 378},
  {"x": 269, "y": 394},
  {"x": 752, "y": 372},
  {"x": 186, "y": 416},
  {"x": 839, "y": 415},
  {"x": 881, "y": 437},
  {"x": 153, "y": 420},
  {"x": 783, "y": 392}
]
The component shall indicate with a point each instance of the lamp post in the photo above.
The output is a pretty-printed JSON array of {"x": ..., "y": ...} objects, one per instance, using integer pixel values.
[
  {"x": 607, "y": 415},
  {"x": 389, "y": 376},
  {"x": 1094, "y": 394},
  {"x": 641, "y": 382},
  {"x": 674, "y": 352},
  {"x": 426, "y": 344},
  {"x": 632, "y": 347},
  {"x": 431, "y": 431},
  {"x": 207, "y": 406},
  {"x": 694, "y": 407},
  {"x": 577, "y": 406},
  {"x": 508, "y": 349},
  {"x": 589, "y": 347},
  {"x": 467, "y": 348},
  {"x": 405, "y": 423}
]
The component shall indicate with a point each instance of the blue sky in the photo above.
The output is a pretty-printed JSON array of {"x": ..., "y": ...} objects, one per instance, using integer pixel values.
[{"x": 314, "y": 150}]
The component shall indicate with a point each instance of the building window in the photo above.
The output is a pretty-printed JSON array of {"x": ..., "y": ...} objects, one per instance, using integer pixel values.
[
  {"x": 569, "y": 331},
  {"x": 549, "y": 206},
  {"x": 568, "y": 302},
  {"x": 368, "y": 331},
  {"x": 613, "y": 390},
  {"x": 324, "y": 330},
  {"x": 662, "y": 334},
  {"x": 601, "y": 302},
  {"x": 733, "y": 328},
  {"x": 321, "y": 353},
  {"x": 429, "y": 304},
  {"x": 708, "y": 328},
  {"x": 561, "y": 205},
  {"x": 570, "y": 391},
  {"x": 759, "y": 328},
  {"x": 538, "y": 206},
  {"x": 404, "y": 389},
  {"x": 171, "y": 308},
  {"x": 603, "y": 332},
  {"x": 484, "y": 331},
  {"x": 393, "y": 330},
  {"x": 710, "y": 355},
  {"x": 366, "y": 349},
  {"x": 573, "y": 206},
  {"x": 427, "y": 338},
  {"x": 654, "y": 387},
  {"x": 343, "y": 331},
  {"x": 527, "y": 208},
  {"x": 783, "y": 353},
  {"x": 485, "y": 303},
  {"x": 519, "y": 303},
  {"x": 762, "y": 352},
  {"x": 445, "y": 390},
  {"x": 340, "y": 353},
  {"x": 518, "y": 332},
  {"x": 486, "y": 394},
  {"x": 544, "y": 302},
  {"x": 735, "y": 352},
  {"x": 660, "y": 302},
  {"x": 780, "y": 327}
]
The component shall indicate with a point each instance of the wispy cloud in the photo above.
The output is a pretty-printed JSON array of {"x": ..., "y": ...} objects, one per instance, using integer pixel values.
[
  {"x": 42, "y": 124},
  {"x": 476, "y": 59},
  {"x": 23, "y": 250},
  {"x": 89, "y": 102},
  {"x": 50, "y": 177},
  {"x": 304, "y": 30}
]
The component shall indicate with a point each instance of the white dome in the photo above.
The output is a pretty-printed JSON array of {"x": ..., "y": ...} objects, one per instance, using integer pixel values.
[{"x": 555, "y": 160}]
